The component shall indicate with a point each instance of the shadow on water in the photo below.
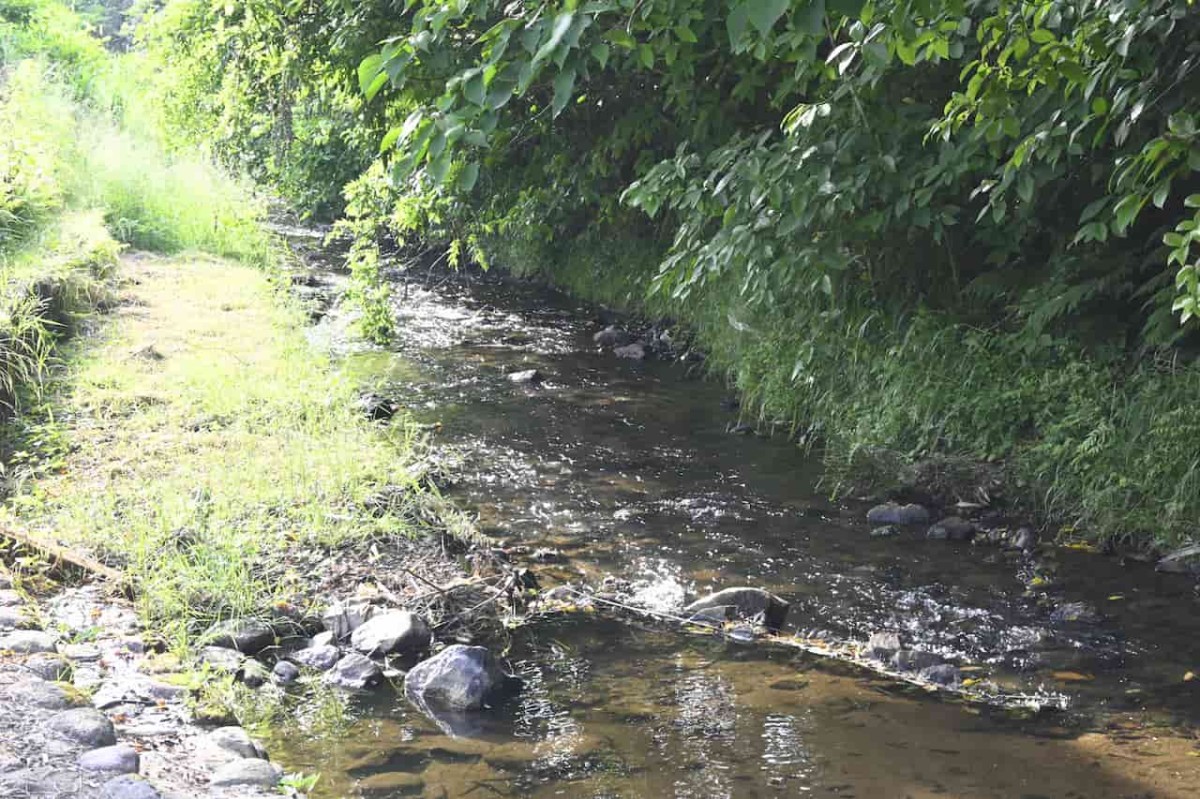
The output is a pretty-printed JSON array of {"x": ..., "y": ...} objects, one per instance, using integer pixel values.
[{"x": 627, "y": 469}]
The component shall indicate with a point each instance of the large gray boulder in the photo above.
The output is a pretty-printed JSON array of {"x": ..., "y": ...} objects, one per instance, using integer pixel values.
[
  {"x": 28, "y": 642},
  {"x": 119, "y": 759},
  {"x": 84, "y": 726},
  {"x": 459, "y": 677},
  {"x": 395, "y": 632},
  {"x": 740, "y": 604}
]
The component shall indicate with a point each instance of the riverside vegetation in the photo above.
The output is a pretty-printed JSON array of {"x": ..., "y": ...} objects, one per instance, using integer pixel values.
[{"x": 902, "y": 228}]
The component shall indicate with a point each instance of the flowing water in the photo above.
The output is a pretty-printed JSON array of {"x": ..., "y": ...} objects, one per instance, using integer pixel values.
[{"x": 627, "y": 469}]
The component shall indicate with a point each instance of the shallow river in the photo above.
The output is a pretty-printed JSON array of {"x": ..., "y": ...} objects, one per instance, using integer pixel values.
[{"x": 628, "y": 470}]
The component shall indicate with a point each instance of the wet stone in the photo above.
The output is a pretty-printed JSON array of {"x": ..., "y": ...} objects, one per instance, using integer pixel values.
[
  {"x": 528, "y": 376},
  {"x": 914, "y": 660},
  {"x": 121, "y": 759},
  {"x": 952, "y": 528},
  {"x": 393, "y": 783},
  {"x": 895, "y": 513},
  {"x": 740, "y": 604},
  {"x": 247, "y": 772},
  {"x": 84, "y": 726},
  {"x": 1075, "y": 612},
  {"x": 886, "y": 531},
  {"x": 320, "y": 657},
  {"x": 28, "y": 642},
  {"x": 631, "y": 352},
  {"x": 882, "y": 645},
  {"x": 458, "y": 678},
  {"x": 128, "y": 786},
  {"x": 612, "y": 336},
  {"x": 941, "y": 674},
  {"x": 354, "y": 671},
  {"x": 249, "y": 636}
]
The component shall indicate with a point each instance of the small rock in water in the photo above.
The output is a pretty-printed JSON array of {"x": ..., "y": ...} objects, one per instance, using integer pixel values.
[
  {"x": 247, "y": 772},
  {"x": 457, "y": 678},
  {"x": 377, "y": 408},
  {"x": 952, "y": 528},
  {"x": 354, "y": 671},
  {"x": 632, "y": 352},
  {"x": 941, "y": 674},
  {"x": 319, "y": 657},
  {"x": 894, "y": 513},
  {"x": 526, "y": 376},
  {"x": 343, "y": 618},
  {"x": 1075, "y": 612},
  {"x": 740, "y": 429},
  {"x": 122, "y": 759},
  {"x": 882, "y": 645},
  {"x": 1181, "y": 561},
  {"x": 914, "y": 660},
  {"x": 1025, "y": 539},
  {"x": 887, "y": 531},
  {"x": 396, "y": 632},
  {"x": 285, "y": 672},
  {"x": 740, "y": 604},
  {"x": 128, "y": 786},
  {"x": 612, "y": 336},
  {"x": 28, "y": 642},
  {"x": 248, "y": 636},
  {"x": 85, "y": 726}
]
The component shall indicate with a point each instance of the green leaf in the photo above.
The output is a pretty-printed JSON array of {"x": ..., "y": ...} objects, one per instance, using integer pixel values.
[
  {"x": 600, "y": 53},
  {"x": 646, "y": 55},
  {"x": 564, "y": 82},
  {"x": 1192, "y": 201},
  {"x": 735, "y": 24},
  {"x": 1042, "y": 36},
  {"x": 851, "y": 9},
  {"x": 684, "y": 34},
  {"x": 439, "y": 167},
  {"x": 475, "y": 91},
  {"x": 562, "y": 24},
  {"x": 369, "y": 70},
  {"x": 380, "y": 81},
  {"x": 1099, "y": 106},
  {"x": 621, "y": 38},
  {"x": 468, "y": 176},
  {"x": 763, "y": 14}
]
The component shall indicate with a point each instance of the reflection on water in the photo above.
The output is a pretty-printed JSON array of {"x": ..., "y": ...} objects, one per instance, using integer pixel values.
[{"x": 627, "y": 469}]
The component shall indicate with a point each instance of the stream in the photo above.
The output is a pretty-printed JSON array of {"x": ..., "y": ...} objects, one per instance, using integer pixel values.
[{"x": 626, "y": 469}]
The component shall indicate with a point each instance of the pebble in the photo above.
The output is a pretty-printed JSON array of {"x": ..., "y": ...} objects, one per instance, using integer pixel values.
[
  {"x": 121, "y": 758},
  {"x": 128, "y": 786},
  {"x": 85, "y": 726},
  {"x": 247, "y": 772}
]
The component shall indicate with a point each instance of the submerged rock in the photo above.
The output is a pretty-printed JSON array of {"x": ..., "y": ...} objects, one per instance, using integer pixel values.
[
  {"x": 459, "y": 677},
  {"x": 632, "y": 352},
  {"x": 882, "y": 645},
  {"x": 527, "y": 376},
  {"x": 1025, "y": 539},
  {"x": 914, "y": 660},
  {"x": 612, "y": 336},
  {"x": 354, "y": 671},
  {"x": 952, "y": 528},
  {"x": 740, "y": 604},
  {"x": 941, "y": 674},
  {"x": 1075, "y": 612},
  {"x": 1181, "y": 561},
  {"x": 886, "y": 531},
  {"x": 397, "y": 632},
  {"x": 377, "y": 407},
  {"x": 249, "y": 636},
  {"x": 894, "y": 513}
]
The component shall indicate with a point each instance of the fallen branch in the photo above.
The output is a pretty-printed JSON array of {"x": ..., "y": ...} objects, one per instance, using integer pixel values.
[{"x": 57, "y": 554}]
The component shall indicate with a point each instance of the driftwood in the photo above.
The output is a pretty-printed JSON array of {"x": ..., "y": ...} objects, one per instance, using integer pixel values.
[{"x": 57, "y": 555}]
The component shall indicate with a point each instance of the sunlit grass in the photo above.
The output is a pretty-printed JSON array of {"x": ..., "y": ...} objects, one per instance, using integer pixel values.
[{"x": 206, "y": 441}]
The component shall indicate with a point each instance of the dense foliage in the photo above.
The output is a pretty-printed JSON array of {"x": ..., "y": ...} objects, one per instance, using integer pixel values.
[{"x": 947, "y": 193}]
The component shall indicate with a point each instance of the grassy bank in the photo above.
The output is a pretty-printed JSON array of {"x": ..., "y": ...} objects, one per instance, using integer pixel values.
[
  {"x": 1100, "y": 446},
  {"x": 199, "y": 443}
]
